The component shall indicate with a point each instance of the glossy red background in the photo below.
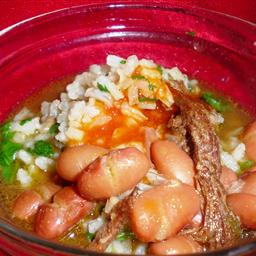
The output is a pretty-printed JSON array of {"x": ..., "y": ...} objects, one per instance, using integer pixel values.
[{"x": 12, "y": 11}]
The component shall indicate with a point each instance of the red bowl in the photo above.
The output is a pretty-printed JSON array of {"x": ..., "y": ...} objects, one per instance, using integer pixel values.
[{"x": 215, "y": 48}]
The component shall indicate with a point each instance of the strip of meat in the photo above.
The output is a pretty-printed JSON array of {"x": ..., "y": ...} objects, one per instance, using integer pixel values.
[
  {"x": 119, "y": 218},
  {"x": 220, "y": 226}
]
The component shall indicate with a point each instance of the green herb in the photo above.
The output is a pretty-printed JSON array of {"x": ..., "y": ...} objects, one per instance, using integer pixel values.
[
  {"x": 125, "y": 235},
  {"x": 191, "y": 33},
  {"x": 90, "y": 236},
  {"x": 9, "y": 172},
  {"x": 102, "y": 87},
  {"x": 54, "y": 128},
  {"x": 122, "y": 61},
  {"x": 43, "y": 148},
  {"x": 159, "y": 69},
  {"x": 7, "y": 152},
  {"x": 22, "y": 122},
  {"x": 246, "y": 165},
  {"x": 6, "y": 133},
  {"x": 151, "y": 86},
  {"x": 144, "y": 99},
  {"x": 139, "y": 77},
  {"x": 214, "y": 102}
]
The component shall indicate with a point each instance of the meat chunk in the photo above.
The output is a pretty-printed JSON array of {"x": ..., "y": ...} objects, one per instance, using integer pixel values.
[
  {"x": 119, "y": 218},
  {"x": 220, "y": 226}
]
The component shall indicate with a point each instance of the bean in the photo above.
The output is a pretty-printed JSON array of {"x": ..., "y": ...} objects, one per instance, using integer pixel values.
[
  {"x": 172, "y": 161},
  {"x": 163, "y": 211},
  {"x": 74, "y": 159},
  {"x": 113, "y": 174},
  {"x": 27, "y": 203},
  {"x": 54, "y": 219},
  {"x": 249, "y": 185},
  {"x": 175, "y": 245},
  {"x": 227, "y": 177},
  {"x": 244, "y": 206},
  {"x": 249, "y": 140}
]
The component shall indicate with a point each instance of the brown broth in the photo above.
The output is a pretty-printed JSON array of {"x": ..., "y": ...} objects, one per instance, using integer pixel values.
[{"x": 234, "y": 118}]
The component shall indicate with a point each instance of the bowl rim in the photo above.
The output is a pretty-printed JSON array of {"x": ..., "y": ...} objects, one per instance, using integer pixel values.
[{"x": 11, "y": 231}]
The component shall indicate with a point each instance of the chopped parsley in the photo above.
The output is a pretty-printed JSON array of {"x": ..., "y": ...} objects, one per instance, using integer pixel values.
[
  {"x": 151, "y": 87},
  {"x": 90, "y": 236},
  {"x": 139, "y": 77},
  {"x": 191, "y": 33},
  {"x": 145, "y": 99},
  {"x": 24, "y": 121},
  {"x": 217, "y": 104},
  {"x": 122, "y": 61},
  {"x": 54, "y": 128},
  {"x": 159, "y": 69},
  {"x": 43, "y": 148},
  {"x": 102, "y": 87},
  {"x": 122, "y": 236},
  {"x": 7, "y": 153},
  {"x": 245, "y": 165},
  {"x": 5, "y": 131}
]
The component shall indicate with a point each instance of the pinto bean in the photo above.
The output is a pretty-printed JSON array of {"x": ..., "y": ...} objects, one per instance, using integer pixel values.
[
  {"x": 175, "y": 245},
  {"x": 249, "y": 185},
  {"x": 227, "y": 177},
  {"x": 172, "y": 161},
  {"x": 113, "y": 174},
  {"x": 150, "y": 137},
  {"x": 244, "y": 206},
  {"x": 53, "y": 219},
  {"x": 249, "y": 140},
  {"x": 27, "y": 203},
  {"x": 163, "y": 211},
  {"x": 74, "y": 159}
]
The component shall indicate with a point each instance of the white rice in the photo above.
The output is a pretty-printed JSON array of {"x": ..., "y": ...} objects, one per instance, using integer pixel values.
[
  {"x": 24, "y": 156},
  {"x": 23, "y": 177},
  {"x": 44, "y": 163}
]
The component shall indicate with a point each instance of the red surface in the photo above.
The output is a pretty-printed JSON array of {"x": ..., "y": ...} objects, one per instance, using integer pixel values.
[{"x": 12, "y": 11}]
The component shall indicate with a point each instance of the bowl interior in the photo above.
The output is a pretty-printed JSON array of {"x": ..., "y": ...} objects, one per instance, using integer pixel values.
[{"x": 214, "y": 48}]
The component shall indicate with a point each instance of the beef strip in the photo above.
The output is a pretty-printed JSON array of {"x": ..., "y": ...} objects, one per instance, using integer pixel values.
[
  {"x": 119, "y": 218},
  {"x": 220, "y": 226}
]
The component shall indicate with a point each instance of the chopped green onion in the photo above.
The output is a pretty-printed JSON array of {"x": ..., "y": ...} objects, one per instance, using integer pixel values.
[
  {"x": 122, "y": 61},
  {"x": 54, "y": 128},
  {"x": 139, "y": 77},
  {"x": 151, "y": 86},
  {"x": 246, "y": 165},
  {"x": 43, "y": 148},
  {"x": 159, "y": 69},
  {"x": 102, "y": 87},
  {"x": 125, "y": 235},
  {"x": 144, "y": 99},
  {"x": 9, "y": 172},
  {"x": 191, "y": 33},
  {"x": 6, "y": 133},
  {"x": 214, "y": 102},
  {"x": 22, "y": 122},
  {"x": 7, "y": 166},
  {"x": 7, "y": 151},
  {"x": 90, "y": 236}
]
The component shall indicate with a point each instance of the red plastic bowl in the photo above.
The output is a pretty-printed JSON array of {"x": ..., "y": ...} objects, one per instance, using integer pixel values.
[{"x": 213, "y": 47}]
